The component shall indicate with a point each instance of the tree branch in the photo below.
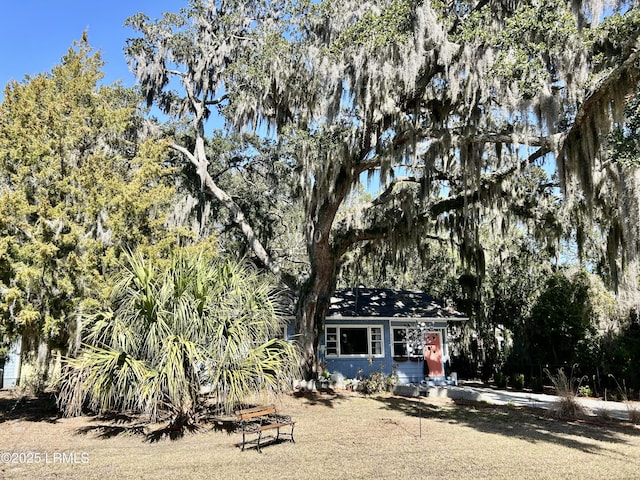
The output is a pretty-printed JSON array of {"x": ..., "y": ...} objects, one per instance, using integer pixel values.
[
  {"x": 217, "y": 101},
  {"x": 344, "y": 241},
  {"x": 236, "y": 212},
  {"x": 627, "y": 73}
]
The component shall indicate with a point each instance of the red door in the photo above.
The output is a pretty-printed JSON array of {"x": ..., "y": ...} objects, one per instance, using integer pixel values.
[{"x": 433, "y": 354}]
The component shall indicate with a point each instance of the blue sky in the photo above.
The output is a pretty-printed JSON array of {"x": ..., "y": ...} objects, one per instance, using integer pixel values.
[{"x": 36, "y": 34}]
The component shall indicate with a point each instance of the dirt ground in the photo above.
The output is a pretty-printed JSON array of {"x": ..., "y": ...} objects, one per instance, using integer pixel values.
[{"x": 338, "y": 435}]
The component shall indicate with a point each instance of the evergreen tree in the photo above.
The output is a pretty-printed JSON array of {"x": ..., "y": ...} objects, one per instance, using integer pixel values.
[{"x": 78, "y": 184}]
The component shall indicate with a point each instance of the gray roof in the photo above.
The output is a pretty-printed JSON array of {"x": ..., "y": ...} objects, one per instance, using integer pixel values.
[{"x": 385, "y": 302}]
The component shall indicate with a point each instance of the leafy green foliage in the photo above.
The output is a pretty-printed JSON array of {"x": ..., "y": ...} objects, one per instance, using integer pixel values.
[
  {"x": 565, "y": 323},
  {"x": 534, "y": 36},
  {"x": 619, "y": 354},
  {"x": 78, "y": 183},
  {"x": 561, "y": 325},
  {"x": 625, "y": 140},
  {"x": 376, "y": 28},
  {"x": 585, "y": 391},
  {"x": 537, "y": 384},
  {"x": 377, "y": 382},
  {"x": 614, "y": 37},
  {"x": 518, "y": 381},
  {"x": 501, "y": 380},
  {"x": 177, "y": 328}
]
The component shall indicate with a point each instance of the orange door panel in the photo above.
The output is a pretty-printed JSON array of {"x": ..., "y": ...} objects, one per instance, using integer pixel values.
[{"x": 433, "y": 354}]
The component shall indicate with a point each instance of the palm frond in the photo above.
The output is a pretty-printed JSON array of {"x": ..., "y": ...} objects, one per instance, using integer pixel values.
[{"x": 171, "y": 331}]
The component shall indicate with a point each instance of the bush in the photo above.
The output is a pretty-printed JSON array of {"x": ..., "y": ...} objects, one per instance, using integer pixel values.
[
  {"x": 501, "y": 380},
  {"x": 537, "y": 384},
  {"x": 585, "y": 391},
  {"x": 374, "y": 383},
  {"x": 518, "y": 381},
  {"x": 175, "y": 329},
  {"x": 378, "y": 382}
]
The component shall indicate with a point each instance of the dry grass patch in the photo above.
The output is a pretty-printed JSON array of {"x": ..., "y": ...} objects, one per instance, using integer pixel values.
[
  {"x": 338, "y": 436},
  {"x": 634, "y": 415}
]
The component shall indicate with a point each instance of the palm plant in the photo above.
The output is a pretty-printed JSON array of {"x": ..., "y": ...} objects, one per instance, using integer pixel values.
[{"x": 172, "y": 332}]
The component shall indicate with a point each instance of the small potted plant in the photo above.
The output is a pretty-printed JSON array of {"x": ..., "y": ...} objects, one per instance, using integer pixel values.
[{"x": 324, "y": 380}]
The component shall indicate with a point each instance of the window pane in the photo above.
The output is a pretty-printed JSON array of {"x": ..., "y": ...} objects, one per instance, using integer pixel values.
[
  {"x": 331, "y": 334},
  {"x": 415, "y": 342},
  {"x": 400, "y": 342},
  {"x": 332, "y": 341},
  {"x": 376, "y": 341},
  {"x": 400, "y": 349},
  {"x": 353, "y": 341},
  {"x": 399, "y": 334}
]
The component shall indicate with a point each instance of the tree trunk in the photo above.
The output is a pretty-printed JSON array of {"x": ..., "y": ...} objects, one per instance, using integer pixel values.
[
  {"x": 313, "y": 303},
  {"x": 325, "y": 259}
]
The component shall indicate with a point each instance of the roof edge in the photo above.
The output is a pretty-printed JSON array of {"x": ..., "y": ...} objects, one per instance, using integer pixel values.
[{"x": 399, "y": 319}]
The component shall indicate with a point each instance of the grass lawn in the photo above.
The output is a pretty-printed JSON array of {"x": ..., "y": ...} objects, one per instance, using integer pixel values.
[{"x": 338, "y": 436}]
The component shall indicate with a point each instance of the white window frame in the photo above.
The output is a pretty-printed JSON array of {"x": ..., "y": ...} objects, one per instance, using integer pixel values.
[
  {"x": 283, "y": 333},
  {"x": 375, "y": 337},
  {"x": 416, "y": 351}
]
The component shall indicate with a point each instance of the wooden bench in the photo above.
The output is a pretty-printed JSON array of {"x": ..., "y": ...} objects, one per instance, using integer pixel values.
[{"x": 256, "y": 420}]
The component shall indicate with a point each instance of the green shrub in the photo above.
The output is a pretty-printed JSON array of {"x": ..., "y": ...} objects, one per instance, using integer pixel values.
[
  {"x": 585, "y": 391},
  {"x": 537, "y": 384},
  {"x": 378, "y": 382},
  {"x": 518, "y": 381},
  {"x": 374, "y": 383},
  {"x": 501, "y": 380}
]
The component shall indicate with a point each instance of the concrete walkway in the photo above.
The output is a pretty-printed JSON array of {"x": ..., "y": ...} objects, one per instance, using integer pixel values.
[{"x": 618, "y": 410}]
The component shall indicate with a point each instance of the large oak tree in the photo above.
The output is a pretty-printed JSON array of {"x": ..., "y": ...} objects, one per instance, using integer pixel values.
[{"x": 445, "y": 105}]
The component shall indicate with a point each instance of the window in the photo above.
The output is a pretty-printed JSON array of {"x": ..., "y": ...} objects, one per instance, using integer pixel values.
[
  {"x": 353, "y": 341},
  {"x": 282, "y": 334},
  {"x": 407, "y": 342}
]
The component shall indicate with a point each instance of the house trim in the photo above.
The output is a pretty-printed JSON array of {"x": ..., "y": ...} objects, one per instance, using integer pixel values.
[
  {"x": 370, "y": 340},
  {"x": 428, "y": 320}
]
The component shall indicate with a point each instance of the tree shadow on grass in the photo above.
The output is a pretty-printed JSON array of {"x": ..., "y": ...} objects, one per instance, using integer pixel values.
[
  {"x": 171, "y": 432},
  {"x": 113, "y": 424},
  {"x": 214, "y": 421},
  {"x": 525, "y": 423},
  {"x": 43, "y": 408},
  {"x": 326, "y": 397},
  {"x": 115, "y": 417},
  {"x": 168, "y": 432},
  {"x": 31, "y": 408},
  {"x": 105, "y": 432}
]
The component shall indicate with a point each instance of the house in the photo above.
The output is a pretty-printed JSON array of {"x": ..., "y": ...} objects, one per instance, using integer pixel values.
[
  {"x": 366, "y": 330},
  {"x": 10, "y": 366},
  {"x": 378, "y": 329}
]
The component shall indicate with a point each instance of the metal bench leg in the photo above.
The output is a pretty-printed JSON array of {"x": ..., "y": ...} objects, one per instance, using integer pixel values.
[
  {"x": 243, "y": 441},
  {"x": 259, "y": 437},
  {"x": 292, "y": 427}
]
